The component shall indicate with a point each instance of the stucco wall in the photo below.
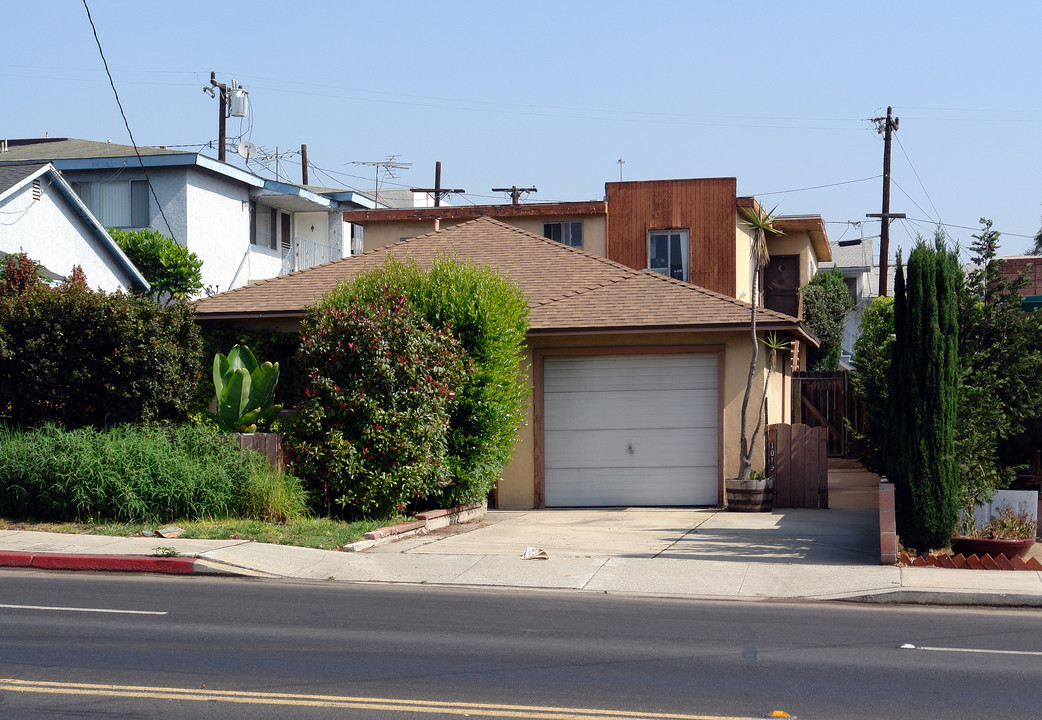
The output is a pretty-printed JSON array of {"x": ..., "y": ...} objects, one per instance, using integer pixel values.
[
  {"x": 743, "y": 259},
  {"x": 218, "y": 216},
  {"x": 53, "y": 234}
]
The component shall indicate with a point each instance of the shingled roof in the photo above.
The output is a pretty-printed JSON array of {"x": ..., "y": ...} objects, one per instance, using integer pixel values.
[{"x": 567, "y": 289}]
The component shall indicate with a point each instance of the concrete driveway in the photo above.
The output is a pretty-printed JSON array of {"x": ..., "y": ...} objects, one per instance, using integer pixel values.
[
  {"x": 847, "y": 534},
  {"x": 826, "y": 537}
]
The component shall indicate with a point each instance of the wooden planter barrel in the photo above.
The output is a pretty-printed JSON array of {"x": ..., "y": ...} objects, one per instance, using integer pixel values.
[{"x": 749, "y": 495}]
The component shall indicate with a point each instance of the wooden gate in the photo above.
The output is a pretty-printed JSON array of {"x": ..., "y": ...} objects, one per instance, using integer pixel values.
[
  {"x": 826, "y": 399},
  {"x": 798, "y": 461}
]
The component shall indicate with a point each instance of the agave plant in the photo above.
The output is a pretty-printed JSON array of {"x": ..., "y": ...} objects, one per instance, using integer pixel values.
[{"x": 245, "y": 390}]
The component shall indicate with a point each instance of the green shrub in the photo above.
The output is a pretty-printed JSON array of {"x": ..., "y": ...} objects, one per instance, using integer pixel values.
[
  {"x": 489, "y": 316},
  {"x": 371, "y": 432},
  {"x": 134, "y": 474},
  {"x": 826, "y": 301},
  {"x": 923, "y": 395},
  {"x": 871, "y": 364},
  {"x": 171, "y": 270},
  {"x": 78, "y": 357}
]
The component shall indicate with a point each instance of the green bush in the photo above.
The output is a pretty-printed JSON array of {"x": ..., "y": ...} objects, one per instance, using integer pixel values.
[
  {"x": 171, "y": 270},
  {"x": 78, "y": 357},
  {"x": 871, "y": 364},
  {"x": 826, "y": 301},
  {"x": 923, "y": 395},
  {"x": 371, "y": 432},
  {"x": 489, "y": 315},
  {"x": 138, "y": 474}
]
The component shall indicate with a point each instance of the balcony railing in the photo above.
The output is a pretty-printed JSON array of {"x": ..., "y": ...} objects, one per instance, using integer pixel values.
[{"x": 303, "y": 254}]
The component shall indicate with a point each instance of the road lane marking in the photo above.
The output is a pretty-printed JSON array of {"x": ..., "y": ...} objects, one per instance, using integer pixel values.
[
  {"x": 341, "y": 702},
  {"x": 909, "y": 646},
  {"x": 76, "y": 609}
]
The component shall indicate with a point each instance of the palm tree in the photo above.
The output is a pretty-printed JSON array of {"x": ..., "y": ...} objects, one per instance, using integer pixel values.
[{"x": 761, "y": 223}]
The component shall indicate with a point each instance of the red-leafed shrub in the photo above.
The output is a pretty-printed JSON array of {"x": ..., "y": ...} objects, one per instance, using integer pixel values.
[{"x": 371, "y": 433}]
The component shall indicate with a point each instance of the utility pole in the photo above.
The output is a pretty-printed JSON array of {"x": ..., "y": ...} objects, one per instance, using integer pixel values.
[
  {"x": 389, "y": 166},
  {"x": 303, "y": 164},
  {"x": 885, "y": 127},
  {"x": 515, "y": 193},
  {"x": 620, "y": 161},
  {"x": 238, "y": 109},
  {"x": 437, "y": 190}
]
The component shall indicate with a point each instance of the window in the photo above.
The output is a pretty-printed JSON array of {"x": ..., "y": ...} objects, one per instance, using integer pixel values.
[
  {"x": 566, "y": 233},
  {"x": 851, "y": 282},
  {"x": 120, "y": 204},
  {"x": 668, "y": 252},
  {"x": 264, "y": 230}
]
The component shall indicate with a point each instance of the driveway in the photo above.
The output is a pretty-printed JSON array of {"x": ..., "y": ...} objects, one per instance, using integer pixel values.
[
  {"x": 848, "y": 534},
  {"x": 826, "y": 537}
]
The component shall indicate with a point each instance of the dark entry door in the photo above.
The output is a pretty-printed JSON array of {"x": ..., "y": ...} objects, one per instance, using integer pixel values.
[{"x": 781, "y": 280}]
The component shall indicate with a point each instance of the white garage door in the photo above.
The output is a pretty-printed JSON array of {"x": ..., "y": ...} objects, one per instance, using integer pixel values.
[{"x": 623, "y": 430}]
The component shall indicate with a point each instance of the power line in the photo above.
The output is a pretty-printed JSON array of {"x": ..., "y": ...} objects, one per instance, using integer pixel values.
[
  {"x": 914, "y": 172},
  {"x": 817, "y": 187},
  {"x": 127, "y": 123}
]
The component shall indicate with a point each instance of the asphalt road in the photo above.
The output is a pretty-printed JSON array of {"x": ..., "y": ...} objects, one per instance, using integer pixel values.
[{"x": 114, "y": 646}]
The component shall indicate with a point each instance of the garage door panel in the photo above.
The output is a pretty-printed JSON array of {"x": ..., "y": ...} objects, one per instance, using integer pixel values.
[
  {"x": 677, "y": 447},
  {"x": 651, "y": 409},
  {"x": 589, "y": 488},
  {"x": 596, "y": 408},
  {"x": 630, "y": 372}
]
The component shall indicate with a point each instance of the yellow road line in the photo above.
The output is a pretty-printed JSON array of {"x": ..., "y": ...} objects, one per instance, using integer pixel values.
[{"x": 343, "y": 702}]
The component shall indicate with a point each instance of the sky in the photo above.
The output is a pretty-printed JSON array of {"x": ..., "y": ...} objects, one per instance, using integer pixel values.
[{"x": 551, "y": 95}]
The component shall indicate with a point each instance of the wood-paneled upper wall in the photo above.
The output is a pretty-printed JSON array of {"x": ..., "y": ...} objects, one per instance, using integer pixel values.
[{"x": 706, "y": 207}]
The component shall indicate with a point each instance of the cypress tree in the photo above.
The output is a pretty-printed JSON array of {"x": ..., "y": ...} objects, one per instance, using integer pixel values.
[{"x": 922, "y": 398}]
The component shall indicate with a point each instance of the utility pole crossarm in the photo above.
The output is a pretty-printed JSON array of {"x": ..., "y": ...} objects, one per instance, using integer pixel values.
[
  {"x": 437, "y": 191},
  {"x": 515, "y": 192}
]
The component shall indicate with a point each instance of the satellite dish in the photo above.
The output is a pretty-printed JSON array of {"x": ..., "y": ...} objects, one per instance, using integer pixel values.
[{"x": 247, "y": 150}]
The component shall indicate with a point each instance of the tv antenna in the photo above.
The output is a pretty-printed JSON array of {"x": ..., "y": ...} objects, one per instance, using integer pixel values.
[{"x": 388, "y": 166}]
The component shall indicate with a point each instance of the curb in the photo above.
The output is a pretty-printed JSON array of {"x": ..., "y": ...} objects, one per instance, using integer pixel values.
[
  {"x": 425, "y": 522},
  {"x": 948, "y": 598},
  {"x": 111, "y": 563}
]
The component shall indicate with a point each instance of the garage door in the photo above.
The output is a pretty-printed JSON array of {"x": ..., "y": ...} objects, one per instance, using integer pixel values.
[{"x": 625, "y": 430}]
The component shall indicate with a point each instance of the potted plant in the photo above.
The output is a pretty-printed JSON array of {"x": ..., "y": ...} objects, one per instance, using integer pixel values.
[{"x": 1009, "y": 533}]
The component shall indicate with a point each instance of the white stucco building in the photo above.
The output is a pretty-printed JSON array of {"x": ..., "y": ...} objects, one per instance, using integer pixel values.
[
  {"x": 41, "y": 215},
  {"x": 243, "y": 227}
]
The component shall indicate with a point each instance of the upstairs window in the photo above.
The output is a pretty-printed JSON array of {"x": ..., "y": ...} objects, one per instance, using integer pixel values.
[
  {"x": 119, "y": 204},
  {"x": 264, "y": 230},
  {"x": 668, "y": 253},
  {"x": 566, "y": 233}
]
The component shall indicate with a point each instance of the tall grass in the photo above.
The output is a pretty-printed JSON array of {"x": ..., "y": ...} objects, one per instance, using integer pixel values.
[{"x": 138, "y": 474}]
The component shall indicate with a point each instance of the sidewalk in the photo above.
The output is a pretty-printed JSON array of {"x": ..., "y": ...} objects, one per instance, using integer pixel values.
[{"x": 691, "y": 553}]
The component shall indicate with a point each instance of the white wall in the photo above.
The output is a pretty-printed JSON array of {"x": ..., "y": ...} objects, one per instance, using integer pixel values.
[
  {"x": 218, "y": 228},
  {"x": 53, "y": 234}
]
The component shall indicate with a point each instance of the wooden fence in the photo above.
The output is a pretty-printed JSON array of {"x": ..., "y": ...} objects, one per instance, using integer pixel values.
[
  {"x": 797, "y": 460},
  {"x": 826, "y": 399},
  {"x": 267, "y": 444}
]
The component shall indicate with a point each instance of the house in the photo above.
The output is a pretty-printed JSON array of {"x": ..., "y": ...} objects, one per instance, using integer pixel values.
[
  {"x": 241, "y": 226},
  {"x": 41, "y": 215},
  {"x": 690, "y": 230},
  {"x": 637, "y": 378}
]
